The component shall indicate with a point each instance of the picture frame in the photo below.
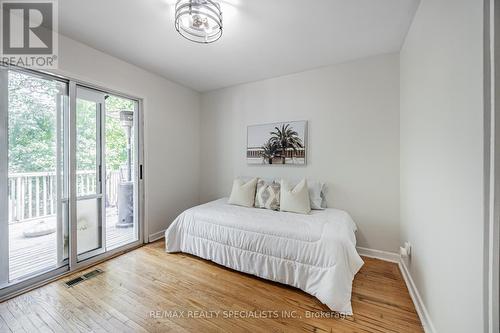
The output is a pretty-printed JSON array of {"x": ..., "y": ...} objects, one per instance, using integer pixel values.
[{"x": 279, "y": 143}]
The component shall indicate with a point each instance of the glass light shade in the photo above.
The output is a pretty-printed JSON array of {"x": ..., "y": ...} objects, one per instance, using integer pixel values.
[{"x": 198, "y": 20}]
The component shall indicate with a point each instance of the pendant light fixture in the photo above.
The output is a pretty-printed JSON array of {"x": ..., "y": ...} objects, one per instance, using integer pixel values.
[{"x": 199, "y": 21}]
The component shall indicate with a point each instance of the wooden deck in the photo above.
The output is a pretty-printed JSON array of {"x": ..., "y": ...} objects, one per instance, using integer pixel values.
[
  {"x": 31, "y": 255},
  {"x": 148, "y": 290}
]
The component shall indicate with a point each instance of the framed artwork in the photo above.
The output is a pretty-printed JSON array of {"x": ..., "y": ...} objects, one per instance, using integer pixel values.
[{"x": 277, "y": 143}]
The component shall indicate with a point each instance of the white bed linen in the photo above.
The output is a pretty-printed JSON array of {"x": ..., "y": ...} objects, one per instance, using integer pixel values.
[{"x": 315, "y": 252}]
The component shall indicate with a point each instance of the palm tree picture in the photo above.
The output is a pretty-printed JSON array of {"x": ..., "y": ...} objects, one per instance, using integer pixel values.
[
  {"x": 285, "y": 138},
  {"x": 269, "y": 152},
  {"x": 278, "y": 143}
]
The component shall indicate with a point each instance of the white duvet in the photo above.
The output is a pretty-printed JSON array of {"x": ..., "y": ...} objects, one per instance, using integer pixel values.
[{"x": 315, "y": 252}]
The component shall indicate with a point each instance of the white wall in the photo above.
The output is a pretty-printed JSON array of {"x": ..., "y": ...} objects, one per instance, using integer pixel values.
[
  {"x": 171, "y": 128},
  {"x": 353, "y": 114},
  {"x": 442, "y": 160}
]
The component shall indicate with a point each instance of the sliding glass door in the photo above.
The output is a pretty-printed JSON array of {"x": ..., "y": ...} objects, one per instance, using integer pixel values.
[
  {"x": 106, "y": 172},
  {"x": 33, "y": 185},
  {"x": 70, "y": 180},
  {"x": 121, "y": 171},
  {"x": 89, "y": 166}
]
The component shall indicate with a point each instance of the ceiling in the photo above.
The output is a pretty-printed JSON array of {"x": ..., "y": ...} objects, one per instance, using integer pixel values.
[{"x": 262, "y": 38}]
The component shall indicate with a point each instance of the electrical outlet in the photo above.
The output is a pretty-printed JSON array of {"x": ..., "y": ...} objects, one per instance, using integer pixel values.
[
  {"x": 408, "y": 248},
  {"x": 405, "y": 251}
]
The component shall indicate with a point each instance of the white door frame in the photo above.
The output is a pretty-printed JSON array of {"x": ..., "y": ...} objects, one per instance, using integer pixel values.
[
  {"x": 8, "y": 288},
  {"x": 492, "y": 165},
  {"x": 75, "y": 261},
  {"x": 97, "y": 97},
  {"x": 4, "y": 166}
]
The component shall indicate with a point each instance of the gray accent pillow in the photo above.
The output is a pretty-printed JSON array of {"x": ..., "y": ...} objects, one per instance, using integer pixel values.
[{"x": 267, "y": 195}]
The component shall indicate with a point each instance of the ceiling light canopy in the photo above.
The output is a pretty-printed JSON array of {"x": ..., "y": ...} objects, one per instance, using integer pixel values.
[{"x": 198, "y": 20}]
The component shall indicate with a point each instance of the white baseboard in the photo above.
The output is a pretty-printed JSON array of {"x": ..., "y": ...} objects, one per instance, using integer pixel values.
[
  {"x": 378, "y": 254},
  {"x": 156, "y": 236},
  {"x": 423, "y": 314}
]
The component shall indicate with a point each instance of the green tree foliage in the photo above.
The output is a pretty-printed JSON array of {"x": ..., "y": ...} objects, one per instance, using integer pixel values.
[
  {"x": 32, "y": 126},
  {"x": 86, "y": 129},
  {"x": 116, "y": 140},
  {"x": 32, "y": 120}
]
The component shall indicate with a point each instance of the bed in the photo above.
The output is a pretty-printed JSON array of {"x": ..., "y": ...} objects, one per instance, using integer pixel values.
[{"x": 315, "y": 253}]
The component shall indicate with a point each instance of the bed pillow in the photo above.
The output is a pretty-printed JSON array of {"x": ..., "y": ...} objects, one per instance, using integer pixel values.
[
  {"x": 267, "y": 195},
  {"x": 323, "y": 198},
  {"x": 243, "y": 193},
  {"x": 316, "y": 195},
  {"x": 295, "y": 199}
]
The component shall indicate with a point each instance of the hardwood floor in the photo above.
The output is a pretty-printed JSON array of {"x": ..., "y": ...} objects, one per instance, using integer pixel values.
[{"x": 148, "y": 290}]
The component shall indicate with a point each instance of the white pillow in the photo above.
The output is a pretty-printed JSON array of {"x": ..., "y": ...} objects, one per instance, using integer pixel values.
[
  {"x": 324, "y": 204},
  {"x": 316, "y": 193},
  {"x": 243, "y": 194},
  {"x": 295, "y": 200}
]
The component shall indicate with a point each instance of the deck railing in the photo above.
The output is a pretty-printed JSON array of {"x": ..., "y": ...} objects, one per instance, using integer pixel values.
[{"x": 33, "y": 195}]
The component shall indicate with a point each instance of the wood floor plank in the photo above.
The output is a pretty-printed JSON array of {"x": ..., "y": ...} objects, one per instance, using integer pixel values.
[
  {"x": 10, "y": 320},
  {"x": 3, "y": 326},
  {"x": 55, "y": 303},
  {"x": 119, "y": 321},
  {"x": 19, "y": 316},
  {"x": 148, "y": 290}
]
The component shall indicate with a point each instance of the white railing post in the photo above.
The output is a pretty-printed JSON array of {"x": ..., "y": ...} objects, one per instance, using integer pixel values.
[
  {"x": 30, "y": 197},
  {"x": 44, "y": 196},
  {"x": 37, "y": 195},
  {"x": 20, "y": 202},
  {"x": 51, "y": 191},
  {"x": 11, "y": 203}
]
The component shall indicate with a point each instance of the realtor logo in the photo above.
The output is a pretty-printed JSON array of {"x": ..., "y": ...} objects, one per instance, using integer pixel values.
[{"x": 29, "y": 36}]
